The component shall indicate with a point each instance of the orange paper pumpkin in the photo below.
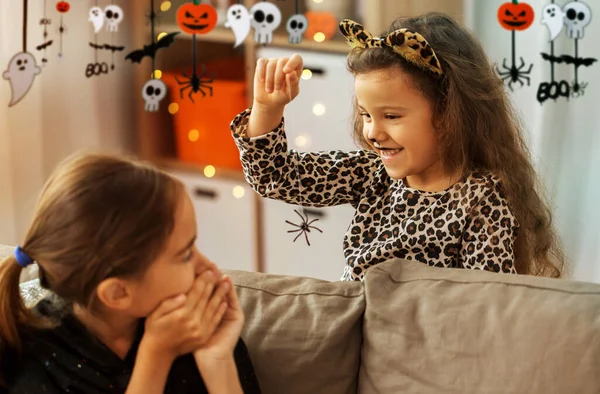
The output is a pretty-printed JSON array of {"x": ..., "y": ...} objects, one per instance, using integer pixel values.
[
  {"x": 196, "y": 18},
  {"x": 515, "y": 15},
  {"x": 63, "y": 7},
  {"x": 320, "y": 21}
]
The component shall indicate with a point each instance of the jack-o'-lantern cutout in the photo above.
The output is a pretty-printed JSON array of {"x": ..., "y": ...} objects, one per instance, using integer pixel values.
[
  {"x": 196, "y": 18},
  {"x": 515, "y": 15},
  {"x": 320, "y": 22},
  {"x": 63, "y": 7}
]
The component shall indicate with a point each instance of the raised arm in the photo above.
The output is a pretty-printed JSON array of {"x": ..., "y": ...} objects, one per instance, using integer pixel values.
[{"x": 326, "y": 178}]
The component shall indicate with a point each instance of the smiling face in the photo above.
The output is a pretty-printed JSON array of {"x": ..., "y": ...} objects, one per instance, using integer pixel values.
[
  {"x": 397, "y": 123},
  {"x": 196, "y": 19},
  {"x": 515, "y": 16}
]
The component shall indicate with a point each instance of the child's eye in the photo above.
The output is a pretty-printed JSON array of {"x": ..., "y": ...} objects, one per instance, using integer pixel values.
[
  {"x": 188, "y": 255},
  {"x": 365, "y": 115},
  {"x": 391, "y": 117}
]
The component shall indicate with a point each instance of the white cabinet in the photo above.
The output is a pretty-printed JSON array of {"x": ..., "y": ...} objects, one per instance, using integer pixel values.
[
  {"x": 226, "y": 224},
  {"x": 320, "y": 118}
]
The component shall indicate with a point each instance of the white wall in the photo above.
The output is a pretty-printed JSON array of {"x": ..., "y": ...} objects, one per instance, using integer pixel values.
[
  {"x": 564, "y": 135},
  {"x": 63, "y": 112}
]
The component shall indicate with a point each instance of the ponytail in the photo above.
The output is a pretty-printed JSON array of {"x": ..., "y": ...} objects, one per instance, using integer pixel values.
[{"x": 14, "y": 315}]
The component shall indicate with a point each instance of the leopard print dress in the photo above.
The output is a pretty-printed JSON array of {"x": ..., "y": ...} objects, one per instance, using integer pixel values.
[{"x": 469, "y": 225}]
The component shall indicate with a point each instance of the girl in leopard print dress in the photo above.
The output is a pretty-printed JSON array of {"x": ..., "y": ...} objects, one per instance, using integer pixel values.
[{"x": 444, "y": 176}]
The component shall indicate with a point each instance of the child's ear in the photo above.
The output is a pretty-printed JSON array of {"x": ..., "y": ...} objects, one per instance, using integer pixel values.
[{"x": 115, "y": 293}]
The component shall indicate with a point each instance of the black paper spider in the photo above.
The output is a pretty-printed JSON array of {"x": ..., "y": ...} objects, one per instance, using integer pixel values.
[
  {"x": 516, "y": 74},
  {"x": 195, "y": 83},
  {"x": 578, "y": 89},
  {"x": 304, "y": 227}
]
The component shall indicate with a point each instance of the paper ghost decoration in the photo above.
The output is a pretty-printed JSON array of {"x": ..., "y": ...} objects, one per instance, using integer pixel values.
[
  {"x": 238, "y": 20},
  {"x": 20, "y": 73},
  {"x": 97, "y": 18}
]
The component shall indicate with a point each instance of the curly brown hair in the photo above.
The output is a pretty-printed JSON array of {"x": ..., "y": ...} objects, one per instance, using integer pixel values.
[{"x": 478, "y": 130}]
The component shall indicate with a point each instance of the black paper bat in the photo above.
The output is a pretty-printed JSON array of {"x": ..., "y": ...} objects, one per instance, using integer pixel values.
[
  {"x": 150, "y": 50},
  {"x": 577, "y": 61},
  {"x": 106, "y": 46},
  {"x": 44, "y": 45}
]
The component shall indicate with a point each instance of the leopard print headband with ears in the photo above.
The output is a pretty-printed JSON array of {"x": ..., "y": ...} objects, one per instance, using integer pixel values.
[{"x": 407, "y": 43}]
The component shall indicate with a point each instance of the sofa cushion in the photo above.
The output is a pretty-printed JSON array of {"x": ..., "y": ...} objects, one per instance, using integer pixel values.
[
  {"x": 439, "y": 330},
  {"x": 303, "y": 334}
]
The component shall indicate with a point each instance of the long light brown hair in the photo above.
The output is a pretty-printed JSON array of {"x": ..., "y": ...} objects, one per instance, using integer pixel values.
[
  {"x": 477, "y": 129},
  {"x": 98, "y": 216}
]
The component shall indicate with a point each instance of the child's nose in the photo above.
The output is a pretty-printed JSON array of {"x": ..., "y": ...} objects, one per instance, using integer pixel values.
[{"x": 375, "y": 133}]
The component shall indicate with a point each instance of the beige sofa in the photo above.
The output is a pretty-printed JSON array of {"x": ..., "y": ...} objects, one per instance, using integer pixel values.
[{"x": 409, "y": 328}]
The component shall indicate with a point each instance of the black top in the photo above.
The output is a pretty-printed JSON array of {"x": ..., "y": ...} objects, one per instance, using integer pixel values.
[{"x": 68, "y": 359}]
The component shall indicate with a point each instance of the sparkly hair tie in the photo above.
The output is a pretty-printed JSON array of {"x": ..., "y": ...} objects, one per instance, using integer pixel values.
[{"x": 22, "y": 258}]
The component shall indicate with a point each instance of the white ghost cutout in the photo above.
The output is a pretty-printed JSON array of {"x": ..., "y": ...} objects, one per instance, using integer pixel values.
[
  {"x": 552, "y": 17},
  {"x": 153, "y": 92},
  {"x": 266, "y": 17},
  {"x": 296, "y": 26},
  {"x": 113, "y": 15},
  {"x": 21, "y": 72},
  {"x": 238, "y": 20},
  {"x": 97, "y": 18}
]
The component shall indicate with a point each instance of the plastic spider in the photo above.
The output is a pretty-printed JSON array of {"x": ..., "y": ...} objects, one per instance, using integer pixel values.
[
  {"x": 516, "y": 74},
  {"x": 304, "y": 227},
  {"x": 195, "y": 83}
]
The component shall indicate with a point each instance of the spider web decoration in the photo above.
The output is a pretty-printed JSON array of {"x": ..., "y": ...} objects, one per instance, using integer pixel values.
[
  {"x": 22, "y": 67},
  {"x": 195, "y": 18},
  {"x": 45, "y": 22},
  {"x": 305, "y": 225},
  {"x": 515, "y": 16},
  {"x": 575, "y": 16},
  {"x": 296, "y": 26}
]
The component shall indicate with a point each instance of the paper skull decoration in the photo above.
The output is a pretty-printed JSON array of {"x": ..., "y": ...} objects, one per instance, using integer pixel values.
[
  {"x": 197, "y": 19},
  {"x": 153, "y": 92},
  {"x": 113, "y": 15},
  {"x": 296, "y": 26},
  {"x": 515, "y": 15},
  {"x": 577, "y": 16},
  {"x": 266, "y": 17}
]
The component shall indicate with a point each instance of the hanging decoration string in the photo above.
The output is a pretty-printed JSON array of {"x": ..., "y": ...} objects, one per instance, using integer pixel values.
[{"x": 25, "y": 7}]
